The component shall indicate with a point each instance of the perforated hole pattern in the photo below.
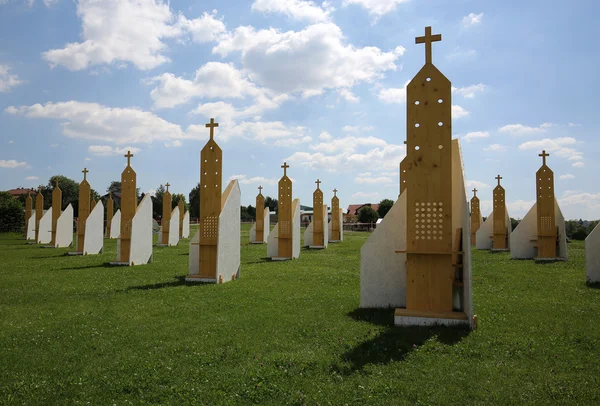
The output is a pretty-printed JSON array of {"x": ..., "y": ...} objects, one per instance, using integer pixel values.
[
  {"x": 210, "y": 227},
  {"x": 429, "y": 221},
  {"x": 546, "y": 223}
]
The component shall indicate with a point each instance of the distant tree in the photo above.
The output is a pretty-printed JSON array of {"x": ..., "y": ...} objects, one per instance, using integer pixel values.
[
  {"x": 271, "y": 204},
  {"x": 115, "y": 187},
  {"x": 176, "y": 198},
  {"x": 69, "y": 188},
  {"x": 12, "y": 216},
  {"x": 514, "y": 223},
  {"x": 94, "y": 195},
  {"x": 244, "y": 214},
  {"x": 195, "y": 202},
  {"x": 251, "y": 211},
  {"x": 157, "y": 202},
  {"x": 367, "y": 215},
  {"x": 384, "y": 206}
]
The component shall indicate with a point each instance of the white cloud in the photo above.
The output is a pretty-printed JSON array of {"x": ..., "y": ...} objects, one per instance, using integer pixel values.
[
  {"x": 376, "y": 7},
  {"x": 31, "y": 178},
  {"x": 469, "y": 92},
  {"x": 369, "y": 178},
  {"x": 290, "y": 142},
  {"x": 12, "y": 164},
  {"x": 475, "y": 135},
  {"x": 325, "y": 136},
  {"x": 87, "y": 159},
  {"x": 520, "y": 129},
  {"x": 11, "y": 142},
  {"x": 107, "y": 150},
  {"x": 8, "y": 80},
  {"x": 394, "y": 94},
  {"x": 357, "y": 129},
  {"x": 581, "y": 204},
  {"x": 151, "y": 192},
  {"x": 459, "y": 112},
  {"x": 495, "y": 148},
  {"x": 578, "y": 165},
  {"x": 575, "y": 125},
  {"x": 308, "y": 61},
  {"x": 173, "y": 144},
  {"x": 366, "y": 194},
  {"x": 556, "y": 145},
  {"x": 518, "y": 208},
  {"x": 459, "y": 54},
  {"x": 130, "y": 31},
  {"x": 567, "y": 176},
  {"x": 303, "y": 10},
  {"x": 476, "y": 184},
  {"x": 348, "y": 143},
  {"x": 472, "y": 19},
  {"x": 244, "y": 179},
  {"x": 348, "y": 95}
]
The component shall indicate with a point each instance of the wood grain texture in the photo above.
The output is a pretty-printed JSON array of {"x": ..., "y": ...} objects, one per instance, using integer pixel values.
[
  {"x": 546, "y": 221},
  {"x": 56, "y": 210},
  {"x": 475, "y": 216},
  {"x": 110, "y": 212},
  {"x": 335, "y": 217},
  {"x": 128, "y": 207},
  {"x": 39, "y": 212},
  {"x": 284, "y": 214},
  {"x": 500, "y": 230},
  {"x": 166, "y": 215},
  {"x": 318, "y": 220},
  {"x": 260, "y": 216},
  {"x": 84, "y": 209}
]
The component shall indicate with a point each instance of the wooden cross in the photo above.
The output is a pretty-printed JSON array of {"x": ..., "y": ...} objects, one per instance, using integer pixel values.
[
  {"x": 285, "y": 166},
  {"x": 110, "y": 194},
  {"x": 128, "y": 156},
  {"x": 498, "y": 178},
  {"x": 212, "y": 126},
  {"x": 318, "y": 182},
  {"x": 428, "y": 39},
  {"x": 56, "y": 182},
  {"x": 167, "y": 185},
  {"x": 475, "y": 192},
  {"x": 260, "y": 188},
  {"x": 40, "y": 188},
  {"x": 334, "y": 192},
  {"x": 544, "y": 155},
  {"x": 85, "y": 171}
]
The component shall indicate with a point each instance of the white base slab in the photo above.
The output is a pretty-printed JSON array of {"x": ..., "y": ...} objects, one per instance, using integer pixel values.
[
  {"x": 119, "y": 263},
  {"x": 334, "y": 241},
  {"x": 549, "y": 259},
  {"x": 281, "y": 259},
  {"x": 500, "y": 250},
  {"x": 74, "y": 254},
  {"x": 428, "y": 321},
  {"x": 317, "y": 247},
  {"x": 200, "y": 280},
  {"x": 257, "y": 242}
]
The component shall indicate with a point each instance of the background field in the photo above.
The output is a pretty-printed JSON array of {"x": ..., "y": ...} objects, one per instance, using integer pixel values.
[{"x": 74, "y": 330}]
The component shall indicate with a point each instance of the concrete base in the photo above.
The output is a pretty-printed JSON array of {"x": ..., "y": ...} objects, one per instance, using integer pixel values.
[
  {"x": 334, "y": 241},
  {"x": 31, "y": 243},
  {"x": 119, "y": 263},
  {"x": 403, "y": 317},
  {"x": 200, "y": 280},
  {"x": 500, "y": 250},
  {"x": 257, "y": 242},
  {"x": 543, "y": 260},
  {"x": 317, "y": 247},
  {"x": 281, "y": 259},
  {"x": 74, "y": 254}
]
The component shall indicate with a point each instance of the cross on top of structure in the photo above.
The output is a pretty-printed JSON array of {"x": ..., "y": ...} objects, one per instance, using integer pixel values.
[
  {"x": 318, "y": 182},
  {"x": 427, "y": 40},
  {"x": 110, "y": 195},
  {"x": 498, "y": 178},
  {"x": 167, "y": 185},
  {"x": 285, "y": 166},
  {"x": 56, "y": 182},
  {"x": 544, "y": 155},
  {"x": 260, "y": 188},
  {"x": 475, "y": 192},
  {"x": 128, "y": 156},
  {"x": 334, "y": 192},
  {"x": 85, "y": 171},
  {"x": 40, "y": 188},
  {"x": 212, "y": 126}
]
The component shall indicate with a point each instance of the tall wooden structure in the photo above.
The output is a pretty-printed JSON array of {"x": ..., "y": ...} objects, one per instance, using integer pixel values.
[
  {"x": 39, "y": 212},
  {"x": 56, "y": 210},
  {"x": 475, "y": 216},
  {"x": 128, "y": 207},
  {"x": 429, "y": 239},
  {"x": 84, "y": 210},
  {"x": 500, "y": 228},
  {"x": 260, "y": 215},
  {"x": 181, "y": 215},
  {"x": 403, "y": 165},
  {"x": 210, "y": 203},
  {"x": 546, "y": 221},
  {"x": 284, "y": 214},
  {"x": 110, "y": 208},
  {"x": 166, "y": 215},
  {"x": 318, "y": 220},
  {"x": 335, "y": 217},
  {"x": 28, "y": 210}
]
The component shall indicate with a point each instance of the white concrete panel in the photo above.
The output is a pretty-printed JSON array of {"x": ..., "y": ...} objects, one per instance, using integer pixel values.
[
  {"x": 563, "y": 251},
  {"x": 592, "y": 255},
  {"x": 174, "y": 227},
  {"x": 228, "y": 249},
  {"x": 194, "y": 256},
  {"x": 31, "y": 226},
  {"x": 186, "y": 225},
  {"x": 272, "y": 242},
  {"x": 296, "y": 229},
  {"x": 267, "y": 224},
  {"x": 483, "y": 236},
  {"x": 308, "y": 235},
  {"x": 252, "y": 233},
  {"x": 115, "y": 225},
  {"x": 64, "y": 228},
  {"x": 524, "y": 236},
  {"x": 93, "y": 241},
  {"x": 382, "y": 270},
  {"x": 45, "y": 232},
  {"x": 141, "y": 233},
  {"x": 508, "y": 226}
]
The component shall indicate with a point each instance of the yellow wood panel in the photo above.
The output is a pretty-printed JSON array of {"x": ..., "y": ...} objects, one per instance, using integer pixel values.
[
  {"x": 56, "y": 210},
  {"x": 499, "y": 225},
  {"x": 128, "y": 206},
  {"x": 181, "y": 207},
  {"x": 110, "y": 207},
  {"x": 318, "y": 220},
  {"x": 211, "y": 177},
  {"x": 546, "y": 222},
  {"x": 28, "y": 210},
  {"x": 284, "y": 215},
  {"x": 39, "y": 212},
  {"x": 166, "y": 215},
  {"x": 335, "y": 217},
  {"x": 429, "y": 282},
  {"x": 403, "y": 165},
  {"x": 260, "y": 215},
  {"x": 475, "y": 216},
  {"x": 84, "y": 210}
]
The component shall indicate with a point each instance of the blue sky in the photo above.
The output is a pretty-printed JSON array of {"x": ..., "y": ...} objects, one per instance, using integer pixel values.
[{"x": 319, "y": 85}]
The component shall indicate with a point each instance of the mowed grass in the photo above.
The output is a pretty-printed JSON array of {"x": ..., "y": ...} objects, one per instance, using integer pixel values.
[{"x": 75, "y": 330}]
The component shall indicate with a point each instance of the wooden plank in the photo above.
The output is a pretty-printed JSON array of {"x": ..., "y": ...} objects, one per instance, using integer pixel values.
[
  {"x": 84, "y": 209},
  {"x": 284, "y": 214},
  {"x": 166, "y": 215},
  {"x": 128, "y": 207},
  {"x": 318, "y": 220},
  {"x": 435, "y": 315},
  {"x": 335, "y": 217},
  {"x": 475, "y": 216},
  {"x": 546, "y": 221},
  {"x": 110, "y": 207},
  {"x": 500, "y": 229},
  {"x": 56, "y": 210},
  {"x": 260, "y": 216}
]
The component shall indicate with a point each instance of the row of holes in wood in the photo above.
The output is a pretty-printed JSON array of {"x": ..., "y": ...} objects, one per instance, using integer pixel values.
[{"x": 430, "y": 219}]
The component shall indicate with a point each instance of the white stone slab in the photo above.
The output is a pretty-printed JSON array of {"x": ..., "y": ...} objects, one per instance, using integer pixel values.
[
  {"x": 185, "y": 233},
  {"x": 140, "y": 251},
  {"x": 64, "y": 228},
  {"x": 272, "y": 240},
  {"x": 266, "y": 228},
  {"x": 524, "y": 237},
  {"x": 93, "y": 239},
  {"x": 428, "y": 321},
  {"x": 115, "y": 225},
  {"x": 330, "y": 227},
  {"x": 228, "y": 241},
  {"x": 31, "y": 226},
  {"x": 174, "y": 228},
  {"x": 484, "y": 237},
  {"x": 592, "y": 255},
  {"x": 45, "y": 232}
]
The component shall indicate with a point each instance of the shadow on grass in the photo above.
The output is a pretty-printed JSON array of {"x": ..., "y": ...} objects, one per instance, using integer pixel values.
[
  {"x": 395, "y": 343},
  {"x": 179, "y": 281},
  {"x": 103, "y": 265},
  {"x": 593, "y": 285},
  {"x": 261, "y": 261}
]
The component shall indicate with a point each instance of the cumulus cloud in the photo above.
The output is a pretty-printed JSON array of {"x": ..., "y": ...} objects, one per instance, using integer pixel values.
[
  {"x": 107, "y": 150},
  {"x": 578, "y": 164},
  {"x": 255, "y": 180},
  {"x": 376, "y": 7},
  {"x": 469, "y": 92},
  {"x": 520, "y": 129},
  {"x": 348, "y": 143},
  {"x": 31, "y": 178},
  {"x": 370, "y": 178},
  {"x": 567, "y": 176},
  {"x": 303, "y": 10},
  {"x": 129, "y": 31},
  {"x": 472, "y": 19},
  {"x": 475, "y": 135},
  {"x": 459, "y": 112},
  {"x": 556, "y": 145},
  {"x": 11, "y": 163},
  {"x": 495, "y": 148},
  {"x": 476, "y": 184},
  {"x": 373, "y": 195},
  {"x": 8, "y": 80}
]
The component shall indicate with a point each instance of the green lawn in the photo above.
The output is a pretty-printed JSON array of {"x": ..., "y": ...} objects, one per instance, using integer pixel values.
[{"x": 74, "y": 330}]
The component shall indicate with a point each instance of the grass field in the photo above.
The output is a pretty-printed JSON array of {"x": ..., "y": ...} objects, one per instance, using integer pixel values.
[{"x": 74, "y": 330}]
